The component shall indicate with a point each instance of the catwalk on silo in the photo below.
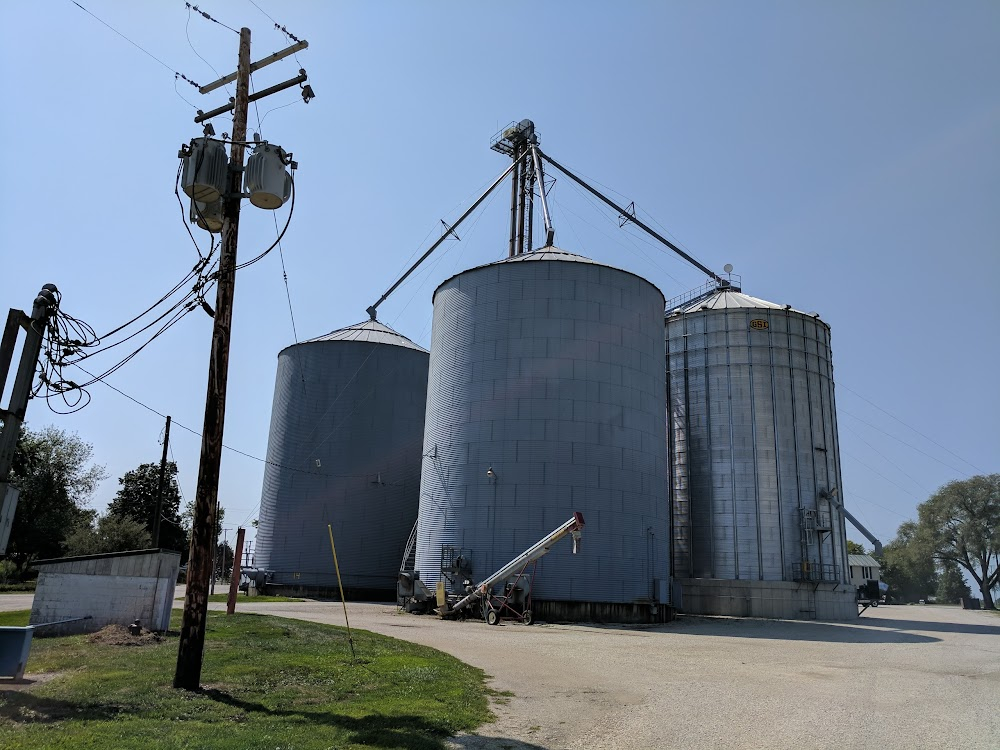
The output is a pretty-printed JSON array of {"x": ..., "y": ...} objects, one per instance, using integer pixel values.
[
  {"x": 545, "y": 397},
  {"x": 755, "y": 460},
  {"x": 344, "y": 450}
]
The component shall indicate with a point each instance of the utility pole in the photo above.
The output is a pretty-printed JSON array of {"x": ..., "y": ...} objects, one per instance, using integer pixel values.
[
  {"x": 162, "y": 485},
  {"x": 13, "y": 417},
  {"x": 215, "y": 549},
  {"x": 234, "y": 579},
  {"x": 192, "y": 640},
  {"x": 204, "y": 534}
]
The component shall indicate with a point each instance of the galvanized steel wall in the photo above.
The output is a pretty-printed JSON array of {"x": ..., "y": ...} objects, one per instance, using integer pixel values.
[
  {"x": 548, "y": 368},
  {"x": 357, "y": 408},
  {"x": 753, "y": 438}
]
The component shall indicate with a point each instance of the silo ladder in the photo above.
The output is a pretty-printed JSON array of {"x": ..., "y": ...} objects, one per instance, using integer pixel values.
[{"x": 410, "y": 553}]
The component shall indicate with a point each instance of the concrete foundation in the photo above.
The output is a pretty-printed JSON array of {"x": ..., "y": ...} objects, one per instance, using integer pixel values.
[
  {"x": 773, "y": 599},
  {"x": 119, "y": 587},
  {"x": 602, "y": 612}
]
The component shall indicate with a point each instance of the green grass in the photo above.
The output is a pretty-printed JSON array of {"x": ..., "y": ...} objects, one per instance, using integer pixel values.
[
  {"x": 241, "y": 599},
  {"x": 267, "y": 683},
  {"x": 18, "y": 617}
]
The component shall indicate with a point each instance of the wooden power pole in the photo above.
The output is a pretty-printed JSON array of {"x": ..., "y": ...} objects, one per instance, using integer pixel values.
[
  {"x": 234, "y": 578},
  {"x": 161, "y": 486},
  {"x": 192, "y": 641},
  {"x": 203, "y": 527},
  {"x": 13, "y": 417}
]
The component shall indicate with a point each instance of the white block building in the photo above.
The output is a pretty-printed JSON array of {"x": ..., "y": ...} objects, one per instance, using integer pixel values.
[{"x": 864, "y": 568}]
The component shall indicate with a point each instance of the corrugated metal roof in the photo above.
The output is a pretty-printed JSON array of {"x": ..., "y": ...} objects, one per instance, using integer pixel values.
[
  {"x": 863, "y": 561},
  {"x": 725, "y": 299},
  {"x": 549, "y": 253},
  {"x": 368, "y": 331}
]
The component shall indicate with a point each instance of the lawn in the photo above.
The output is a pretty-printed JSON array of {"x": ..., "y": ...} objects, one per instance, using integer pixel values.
[
  {"x": 17, "y": 617},
  {"x": 267, "y": 683},
  {"x": 241, "y": 599}
]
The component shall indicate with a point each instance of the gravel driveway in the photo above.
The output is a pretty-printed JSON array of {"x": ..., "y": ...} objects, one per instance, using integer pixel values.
[{"x": 899, "y": 677}]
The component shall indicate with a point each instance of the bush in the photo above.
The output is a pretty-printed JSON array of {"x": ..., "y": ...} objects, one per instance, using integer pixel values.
[{"x": 11, "y": 580}]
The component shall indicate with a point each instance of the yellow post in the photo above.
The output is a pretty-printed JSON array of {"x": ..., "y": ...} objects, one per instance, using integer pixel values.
[{"x": 350, "y": 638}]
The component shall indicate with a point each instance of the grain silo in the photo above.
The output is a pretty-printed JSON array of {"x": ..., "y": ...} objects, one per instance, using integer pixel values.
[
  {"x": 755, "y": 462},
  {"x": 546, "y": 396},
  {"x": 343, "y": 449}
]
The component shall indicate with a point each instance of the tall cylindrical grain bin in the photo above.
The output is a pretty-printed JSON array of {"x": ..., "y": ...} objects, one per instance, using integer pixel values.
[
  {"x": 344, "y": 450},
  {"x": 546, "y": 396},
  {"x": 755, "y": 461}
]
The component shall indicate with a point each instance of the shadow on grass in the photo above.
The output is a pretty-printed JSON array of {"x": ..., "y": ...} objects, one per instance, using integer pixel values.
[
  {"x": 412, "y": 732},
  {"x": 25, "y": 707}
]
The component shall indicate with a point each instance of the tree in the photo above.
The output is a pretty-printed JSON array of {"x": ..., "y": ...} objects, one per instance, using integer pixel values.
[
  {"x": 137, "y": 498},
  {"x": 961, "y": 523},
  {"x": 224, "y": 560},
  {"x": 853, "y": 548},
  {"x": 52, "y": 469},
  {"x": 189, "y": 519},
  {"x": 908, "y": 565},
  {"x": 951, "y": 584},
  {"x": 111, "y": 534}
]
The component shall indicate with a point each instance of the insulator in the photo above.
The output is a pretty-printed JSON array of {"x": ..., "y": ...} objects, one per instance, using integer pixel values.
[
  {"x": 267, "y": 180},
  {"x": 205, "y": 168},
  {"x": 208, "y": 216}
]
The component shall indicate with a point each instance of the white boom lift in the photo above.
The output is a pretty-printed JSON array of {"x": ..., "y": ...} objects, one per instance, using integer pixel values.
[{"x": 481, "y": 592}]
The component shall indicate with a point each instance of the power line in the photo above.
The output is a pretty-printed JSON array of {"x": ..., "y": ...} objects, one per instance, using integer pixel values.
[
  {"x": 199, "y": 435},
  {"x": 137, "y": 46},
  {"x": 879, "y": 473},
  {"x": 291, "y": 210},
  {"x": 281, "y": 251},
  {"x": 280, "y": 28},
  {"x": 191, "y": 45},
  {"x": 908, "y": 445},
  {"x": 914, "y": 429},
  {"x": 284, "y": 275},
  {"x": 888, "y": 460},
  {"x": 203, "y": 14},
  {"x": 856, "y": 496},
  {"x": 260, "y": 120},
  {"x": 263, "y": 11}
]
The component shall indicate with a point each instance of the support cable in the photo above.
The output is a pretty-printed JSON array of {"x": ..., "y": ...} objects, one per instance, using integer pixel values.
[
  {"x": 448, "y": 232},
  {"x": 632, "y": 217}
]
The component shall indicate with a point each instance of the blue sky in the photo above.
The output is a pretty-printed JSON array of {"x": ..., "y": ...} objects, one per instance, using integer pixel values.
[{"x": 844, "y": 157}]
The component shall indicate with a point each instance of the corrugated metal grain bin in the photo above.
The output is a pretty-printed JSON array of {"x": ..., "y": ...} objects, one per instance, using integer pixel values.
[
  {"x": 548, "y": 369},
  {"x": 753, "y": 443},
  {"x": 344, "y": 449}
]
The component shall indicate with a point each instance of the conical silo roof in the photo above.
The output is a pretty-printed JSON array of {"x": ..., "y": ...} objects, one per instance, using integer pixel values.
[
  {"x": 727, "y": 299},
  {"x": 370, "y": 331},
  {"x": 547, "y": 253}
]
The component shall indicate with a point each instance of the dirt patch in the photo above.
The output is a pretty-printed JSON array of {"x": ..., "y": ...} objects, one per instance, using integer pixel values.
[{"x": 118, "y": 635}]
